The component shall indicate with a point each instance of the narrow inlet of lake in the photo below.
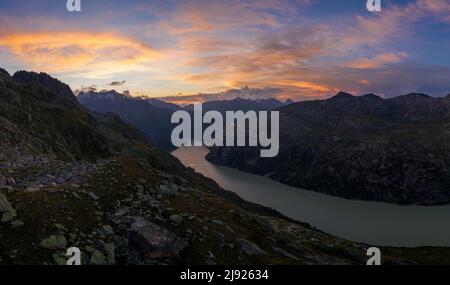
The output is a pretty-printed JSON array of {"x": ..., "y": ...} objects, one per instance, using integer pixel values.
[{"x": 370, "y": 222}]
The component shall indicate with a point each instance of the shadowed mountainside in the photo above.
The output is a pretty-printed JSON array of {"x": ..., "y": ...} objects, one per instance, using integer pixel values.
[
  {"x": 152, "y": 120},
  {"x": 394, "y": 150},
  {"x": 153, "y": 116}
]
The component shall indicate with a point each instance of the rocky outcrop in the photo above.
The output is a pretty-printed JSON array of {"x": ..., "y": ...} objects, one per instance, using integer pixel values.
[
  {"x": 46, "y": 81},
  {"x": 54, "y": 242},
  {"x": 7, "y": 212},
  {"x": 155, "y": 241},
  {"x": 4, "y": 75},
  {"x": 5, "y": 205}
]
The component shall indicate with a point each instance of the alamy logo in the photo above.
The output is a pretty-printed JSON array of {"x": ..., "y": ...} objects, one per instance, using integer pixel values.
[
  {"x": 235, "y": 129},
  {"x": 375, "y": 256},
  {"x": 73, "y": 5},
  {"x": 74, "y": 255},
  {"x": 373, "y": 5}
]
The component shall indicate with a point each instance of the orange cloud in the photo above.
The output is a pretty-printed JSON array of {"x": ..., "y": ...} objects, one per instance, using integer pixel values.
[
  {"x": 280, "y": 60},
  {"x": 320, "y": 89},
  {"x": 377, "y": 62},
  {"x": 74, "y": 51}
]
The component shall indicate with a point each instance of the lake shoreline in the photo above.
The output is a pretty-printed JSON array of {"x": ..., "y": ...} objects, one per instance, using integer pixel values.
[{"x": 368, "y": 222}]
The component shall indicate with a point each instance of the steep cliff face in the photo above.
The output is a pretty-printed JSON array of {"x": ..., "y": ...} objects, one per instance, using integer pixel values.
[
  {"x": 46, "y": 81},
  {"x": 395, "y": 150},
  {"x": 40, "y": 117},
  {"x": 41, "y": 120},
  {"x": 152, "y": 120}
]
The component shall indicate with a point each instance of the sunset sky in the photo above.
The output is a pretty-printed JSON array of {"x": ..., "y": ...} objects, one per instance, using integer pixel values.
[{"x": 284, "y": 48}]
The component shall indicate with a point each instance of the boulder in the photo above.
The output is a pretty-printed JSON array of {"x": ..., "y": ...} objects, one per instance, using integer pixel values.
[
  {"x": 154, "y": 241},
  {"x": 2, "y": 181},
  {"x": 106, "y": 230},
  {"x": 60, "y": 180},
  {"x": 98, "y": 258},
  {"x": 68, "y": 176},
  {"x": 250, "y": 248},
  {"x": 54, "y": 242},
  {"x": 218, "y": 222},
  {"x": 110, "y": 253},
  {"x": 8, "y": 216},
  {"x": 59, "y": 258},
  {"x": 11, "y": 181},
  {"x": 177, "y": 219},
  {"x": 93, "y": 196},
  {"x": 169, "y": 189},
  {"x": 17, "y": 224},
  {"x": 5, "y": 206}
]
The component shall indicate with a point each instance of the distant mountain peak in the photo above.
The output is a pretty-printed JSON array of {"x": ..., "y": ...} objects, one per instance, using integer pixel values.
[
  {"x": 289, "y": 101},
  {"x": 418, "y": 95},
  {"x": 371, "y": 96},
  {"x": 412, "y": 97},
  {"x": 103, "y": 94},
  {"x": 342, "y": 94},
  {"x": 256, "y": 100},
  {"x": 110, "y": 92}
]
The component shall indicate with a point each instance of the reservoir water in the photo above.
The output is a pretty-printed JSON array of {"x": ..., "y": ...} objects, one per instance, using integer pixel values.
[{"x": 371, "y": 222}]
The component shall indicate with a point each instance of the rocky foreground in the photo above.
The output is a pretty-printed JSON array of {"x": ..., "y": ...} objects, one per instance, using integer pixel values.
[
  {"x": 124, "y": 211},
  {"x": 69, "y": 178}
]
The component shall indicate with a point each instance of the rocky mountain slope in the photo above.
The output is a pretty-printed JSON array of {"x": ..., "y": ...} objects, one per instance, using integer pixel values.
[
  {"x": 152, "y": 120},
  {"x": 162, "y": 104},
  {"x": 394, "y": 150},
  {"x": 69, "y": 178},
  {"x": 153, "y": 116}
]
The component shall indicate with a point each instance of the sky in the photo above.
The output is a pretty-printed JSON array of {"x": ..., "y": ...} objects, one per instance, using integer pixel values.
[{"x": 298, "y": 49}]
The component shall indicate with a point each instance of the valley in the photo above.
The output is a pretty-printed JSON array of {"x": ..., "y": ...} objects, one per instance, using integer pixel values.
[
  {"x": 375, "y": 223},
  {"x": 71, "y": 178}
]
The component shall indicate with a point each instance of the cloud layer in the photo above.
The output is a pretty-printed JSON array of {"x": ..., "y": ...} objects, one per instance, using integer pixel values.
[
  {"x": 77, "y": 51},
  {"x": 295, "y": 48}
]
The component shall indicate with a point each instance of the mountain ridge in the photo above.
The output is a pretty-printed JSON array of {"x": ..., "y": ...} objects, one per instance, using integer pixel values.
[
  {"x": 240, "y": 104},
  {"x": 153, "y": 116},
  {"x": 359, "y": 147}
]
